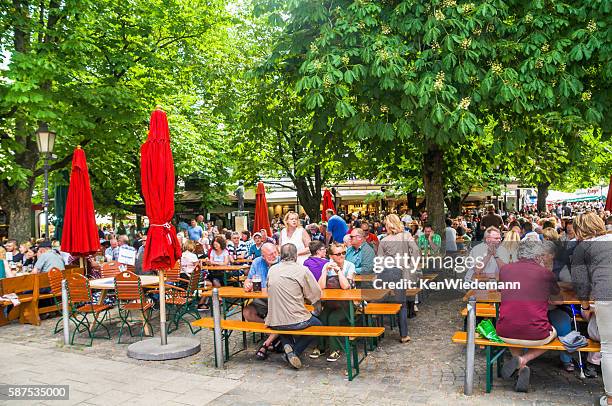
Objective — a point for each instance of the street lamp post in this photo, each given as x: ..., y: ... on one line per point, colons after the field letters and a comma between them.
x: 46, y: 141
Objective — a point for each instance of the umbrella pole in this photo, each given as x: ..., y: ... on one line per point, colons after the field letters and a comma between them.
x: 162, y: 307
x: 82, y: 265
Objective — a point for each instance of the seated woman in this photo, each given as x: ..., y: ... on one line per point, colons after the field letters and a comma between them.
x: 5, y: 269
x: 336, y: 274
x: 189, y: 262
x: 317, y: 259
x: 524, y: 318
x: 217, y: 255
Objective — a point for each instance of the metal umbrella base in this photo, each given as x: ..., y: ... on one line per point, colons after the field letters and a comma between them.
x: 152, y: 350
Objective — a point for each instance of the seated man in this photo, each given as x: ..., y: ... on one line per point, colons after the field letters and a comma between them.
x: 47, y: 258
x: 258, y: 309
x: 289, y: 285
x: 524, y: 318
x: 360, y: 253
x: 488, y: 257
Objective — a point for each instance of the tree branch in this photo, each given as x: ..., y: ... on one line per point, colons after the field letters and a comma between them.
x: 61, y: 163
x: 281, y: 185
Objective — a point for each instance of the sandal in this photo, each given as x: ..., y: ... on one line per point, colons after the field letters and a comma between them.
x: 262, y: 352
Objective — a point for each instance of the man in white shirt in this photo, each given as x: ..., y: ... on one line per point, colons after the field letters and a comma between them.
x: 450, y: 234
x: 489, y: 256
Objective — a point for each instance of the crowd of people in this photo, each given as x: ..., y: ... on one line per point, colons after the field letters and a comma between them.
x: 298, y: 259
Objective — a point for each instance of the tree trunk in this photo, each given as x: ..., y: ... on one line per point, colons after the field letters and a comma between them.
x: 311, y: 202
x: 411, y: 200
x: 433, y: 181
x: 542, y: 195
x: 18, y: 207
x: 454, y: 205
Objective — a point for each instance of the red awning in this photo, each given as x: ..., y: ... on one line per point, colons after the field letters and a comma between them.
x: 80, y: 234
x: 162, y: 248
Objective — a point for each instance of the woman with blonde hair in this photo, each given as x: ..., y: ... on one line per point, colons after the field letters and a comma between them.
x: 400, y: 244
x: 592, y: 276
x: 5, y: 269
x: 511, y: 243
x: 293, y: 233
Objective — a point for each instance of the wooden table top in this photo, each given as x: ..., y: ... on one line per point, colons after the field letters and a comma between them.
x: 493, y: 296
x: 109, y: 283
x: 328, y: 294
x: 242, y: 261
x: 372, y: 276
x: 224, y: 268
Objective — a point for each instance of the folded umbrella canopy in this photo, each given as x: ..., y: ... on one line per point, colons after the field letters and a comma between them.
x: 157, y: 177
x: 609, y: 199
x: 328, y: 203
x: 80, y: 233
x: 262, y: 221
x: 162, y: 249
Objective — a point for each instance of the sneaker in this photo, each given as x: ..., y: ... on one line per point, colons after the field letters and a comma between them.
x: 590, y: 370
x: 334, y: 356
x: 316, y: 353
x: 291, y: 358
x: 568, y: 367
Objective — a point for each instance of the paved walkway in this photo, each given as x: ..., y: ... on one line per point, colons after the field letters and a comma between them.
x: 96, y: 381
x: 427, y: 371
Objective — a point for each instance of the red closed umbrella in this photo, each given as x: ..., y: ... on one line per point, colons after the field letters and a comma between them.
x: 609, y: 199
x: 80, y: 235
x: 262, y: 221
x: 328, y: 203
x: 162, y: 249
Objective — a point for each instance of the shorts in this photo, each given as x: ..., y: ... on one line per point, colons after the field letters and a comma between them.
x: 532, y: 343
x: 261, y: 307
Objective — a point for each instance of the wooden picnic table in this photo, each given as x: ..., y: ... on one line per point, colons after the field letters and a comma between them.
x: 106, y: 284
x: 372, y: 276
x: 493, y: 296
x: 225, y: 269
x: 242, y: 261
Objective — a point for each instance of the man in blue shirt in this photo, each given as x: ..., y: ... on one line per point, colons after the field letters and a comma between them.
x: 194, y: 231
x: 336, y: 226
x: 258, y: 309
x: 360, y: 253
x: 255, y: 250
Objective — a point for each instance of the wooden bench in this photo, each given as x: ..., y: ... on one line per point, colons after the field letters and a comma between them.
x: 487, y: 310
x: 349, y: 334
x: 494, y: 351
x: 26, y: 288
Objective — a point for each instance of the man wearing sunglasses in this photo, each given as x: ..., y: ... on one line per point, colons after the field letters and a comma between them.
x: 360, y: 253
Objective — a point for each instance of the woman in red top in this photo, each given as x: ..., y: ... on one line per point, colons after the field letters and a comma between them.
x: 523, y: 312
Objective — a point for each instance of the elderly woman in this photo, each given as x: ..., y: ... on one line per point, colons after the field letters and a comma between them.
x: 592, y: 275
x: 400, y: 242
x: 524, y: 318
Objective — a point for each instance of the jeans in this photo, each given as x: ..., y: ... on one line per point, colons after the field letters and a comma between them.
x: 603, y: 310
x: 562, y: 322
x: 299, y: 343
x: 403, y: 320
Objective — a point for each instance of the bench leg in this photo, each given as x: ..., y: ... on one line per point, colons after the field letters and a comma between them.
x: 355, y: 350
x: 489, y: 370
x: 349, y: 357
